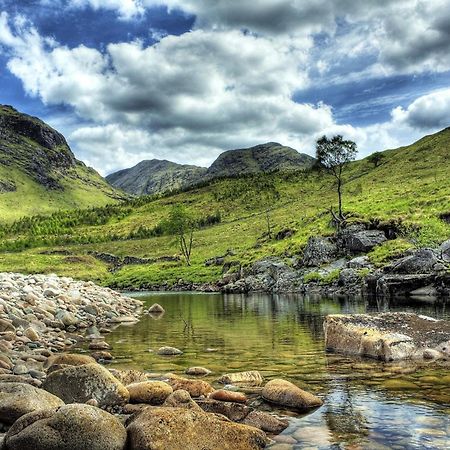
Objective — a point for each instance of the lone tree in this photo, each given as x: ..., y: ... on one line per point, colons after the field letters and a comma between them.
x: 376, y: 158
x: 181, y: 224
x: 334, y: 155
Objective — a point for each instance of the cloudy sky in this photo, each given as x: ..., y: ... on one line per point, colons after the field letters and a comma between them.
x: 184, y: 80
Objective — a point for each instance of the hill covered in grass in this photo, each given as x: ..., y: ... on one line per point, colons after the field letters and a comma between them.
x: 407, y: 191
x: 40, y: 174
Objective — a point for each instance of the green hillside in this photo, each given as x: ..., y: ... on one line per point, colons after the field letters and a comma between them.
x: 408, y: 190
x: 39, y: 173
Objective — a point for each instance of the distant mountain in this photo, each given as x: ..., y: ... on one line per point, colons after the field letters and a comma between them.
x: 155, y: 176
x: 39, y: 173
x: 264, y: 158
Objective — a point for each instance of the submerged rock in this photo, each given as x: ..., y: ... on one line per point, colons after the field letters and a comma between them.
x: 79, y: 384
x: 169, y: 351
x: 233, y: 411
x: 71, y: 427
x: 17, y: 399
x: 199, y: 371
x: 156, y: 309
x: 387, y: 336
x: 285, y: 393
x: 250, y: 378
x: 265, y: 422
x: 187, y: 429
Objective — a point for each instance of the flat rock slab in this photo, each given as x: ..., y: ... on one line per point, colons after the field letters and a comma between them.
x: 388, y: 336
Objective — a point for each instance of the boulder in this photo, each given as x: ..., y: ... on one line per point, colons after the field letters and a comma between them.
x: 68, y: 359
x: 228, y: 396
x: 386, y: 336
x: 422, y: 261
x: 319, y: 250
x: 17, y: 399
x: 71, y: 427
x: 196, y: 388
x: 250, y: 378
x: 151, y: 392
x: 287, y: 394
x: 78, y: 384
x: 187, y: 429
x: 361, y: 241
x: 360, y: 262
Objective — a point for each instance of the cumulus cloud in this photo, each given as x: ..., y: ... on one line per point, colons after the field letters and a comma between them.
x: 431, y: 111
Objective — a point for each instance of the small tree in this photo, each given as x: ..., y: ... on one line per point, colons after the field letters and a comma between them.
x: 334, y: 155
x: 376, y: 158
x: 181, y: 224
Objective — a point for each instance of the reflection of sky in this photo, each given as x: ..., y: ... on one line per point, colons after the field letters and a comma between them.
x: 372, y: 421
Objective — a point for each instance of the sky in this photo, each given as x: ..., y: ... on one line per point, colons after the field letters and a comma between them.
x: 184, y: 80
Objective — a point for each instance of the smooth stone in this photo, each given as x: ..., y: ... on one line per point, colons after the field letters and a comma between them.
x: 99, y: 345
x: 17, y: 399
x: 180, y: 399
x: 156, y: 309
x: 68, y: 359
x: 285, y: 393
x: 265, y: 422
x: 228, y: 396
x: 188, y: 429
x: 71, y: 427
x: 200, y: 371
x: 78, y: 384
x: 151, y: 392
x: 196, y: 388
x: 169, y: 351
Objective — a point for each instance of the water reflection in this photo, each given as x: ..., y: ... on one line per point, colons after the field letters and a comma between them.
x: 368, y: 404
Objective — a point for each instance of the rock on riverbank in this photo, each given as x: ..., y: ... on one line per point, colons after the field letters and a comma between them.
x: 388, y: 336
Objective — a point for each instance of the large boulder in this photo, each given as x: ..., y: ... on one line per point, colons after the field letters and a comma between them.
x: 387, y: 336
x: 188, y: 429
x: 361, y: 241
x: 71, y: 427
x: 151, y: 392
x: 17, y: 399
x: 78, y: 384
x: 422, y: 261
x: 319, y: 250
x: 287, y: 394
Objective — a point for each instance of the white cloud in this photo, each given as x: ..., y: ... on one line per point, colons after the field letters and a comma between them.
x: 431, y: 111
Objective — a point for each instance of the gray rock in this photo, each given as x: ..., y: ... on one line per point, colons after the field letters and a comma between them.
x: 78, y: 384
x: 361, y: 241
x: 422, y: 261
x: 319, y: 250
x: 445, y: 250
x: 17, y: 399
x: 360, y: 262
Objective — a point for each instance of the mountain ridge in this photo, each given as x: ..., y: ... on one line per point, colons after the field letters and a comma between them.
x: 159, y: 176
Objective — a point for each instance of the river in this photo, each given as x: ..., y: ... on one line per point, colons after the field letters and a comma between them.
x: 367, y: 404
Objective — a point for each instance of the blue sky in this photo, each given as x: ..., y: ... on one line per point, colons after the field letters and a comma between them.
x: 127, y: 80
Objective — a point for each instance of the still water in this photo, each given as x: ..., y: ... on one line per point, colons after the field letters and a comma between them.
x: 367, y: 404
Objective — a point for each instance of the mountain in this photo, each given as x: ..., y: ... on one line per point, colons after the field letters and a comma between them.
x: 39, y: 173
x: 154, y: 176
x: 266, y: 158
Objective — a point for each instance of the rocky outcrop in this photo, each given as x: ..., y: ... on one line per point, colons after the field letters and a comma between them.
x: 421, y: 261
x: 387, y: 336
x: 71, y: 427
x: 360, y: 241
x: 188, y: 429
x: 319, y: 250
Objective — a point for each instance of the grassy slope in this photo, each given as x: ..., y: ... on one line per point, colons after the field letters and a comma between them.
x: 410, y: 185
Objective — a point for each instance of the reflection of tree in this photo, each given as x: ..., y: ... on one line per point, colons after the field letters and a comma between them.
x: 345, y: 422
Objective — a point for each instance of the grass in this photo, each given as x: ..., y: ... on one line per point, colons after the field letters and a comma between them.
x: 409, y: 190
